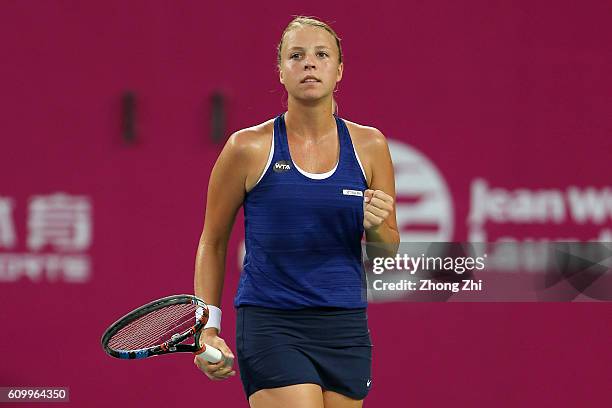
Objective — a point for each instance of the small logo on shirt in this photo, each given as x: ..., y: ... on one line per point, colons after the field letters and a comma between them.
x: 281, y: 166
x: 368, y: 383
x: 355, y: 193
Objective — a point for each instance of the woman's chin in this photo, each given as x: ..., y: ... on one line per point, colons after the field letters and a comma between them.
x: 311, y: 97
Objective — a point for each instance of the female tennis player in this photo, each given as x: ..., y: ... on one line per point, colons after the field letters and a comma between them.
x: 311, y: 184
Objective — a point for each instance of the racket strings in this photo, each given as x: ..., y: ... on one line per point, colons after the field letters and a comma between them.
x: 150, y: 329
x: 134, y: 332
x: 180, y: 327
x: 163, y: 321
x: 154, y: 327
x: 160, y: 328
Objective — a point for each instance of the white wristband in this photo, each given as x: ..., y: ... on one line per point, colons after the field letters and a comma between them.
x: 214, y: 317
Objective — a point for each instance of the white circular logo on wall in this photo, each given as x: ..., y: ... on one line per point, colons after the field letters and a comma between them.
x: 423, y: 204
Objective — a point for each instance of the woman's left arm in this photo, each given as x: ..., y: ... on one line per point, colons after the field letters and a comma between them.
x: 379, y: 219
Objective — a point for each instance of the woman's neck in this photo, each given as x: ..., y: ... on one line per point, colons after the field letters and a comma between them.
x: 309, y: 122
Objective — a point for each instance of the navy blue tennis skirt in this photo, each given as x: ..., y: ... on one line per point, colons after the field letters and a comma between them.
x: 328, y: 347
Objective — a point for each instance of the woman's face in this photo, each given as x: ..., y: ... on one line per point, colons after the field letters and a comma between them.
x: 309, y: 66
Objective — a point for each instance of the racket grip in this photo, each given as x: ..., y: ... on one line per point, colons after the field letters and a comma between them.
x: 213, y: 355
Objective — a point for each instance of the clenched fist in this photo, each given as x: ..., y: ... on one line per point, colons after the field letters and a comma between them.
x: 377, y: 206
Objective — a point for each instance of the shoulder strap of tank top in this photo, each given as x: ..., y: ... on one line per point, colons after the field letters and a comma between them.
x: 283, y: 146
x: 347, y: 153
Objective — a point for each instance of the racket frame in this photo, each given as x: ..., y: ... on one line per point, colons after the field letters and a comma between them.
x: 172, y: 345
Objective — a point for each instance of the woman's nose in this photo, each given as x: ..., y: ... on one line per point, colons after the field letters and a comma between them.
x: 309, y: 62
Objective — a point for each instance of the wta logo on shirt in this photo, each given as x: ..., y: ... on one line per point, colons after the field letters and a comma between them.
x: 281, y: 166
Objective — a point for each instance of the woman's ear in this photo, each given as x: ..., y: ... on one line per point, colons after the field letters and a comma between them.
x: 340, y: 71
x: 280, y: 75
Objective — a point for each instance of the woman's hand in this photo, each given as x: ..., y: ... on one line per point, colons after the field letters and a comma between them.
x: 214, y: 371
x: 377, y: 206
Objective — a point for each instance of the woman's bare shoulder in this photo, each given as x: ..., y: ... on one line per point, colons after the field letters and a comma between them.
x: 248, y: 150
x: 366, y: 137
x: 252, y: 140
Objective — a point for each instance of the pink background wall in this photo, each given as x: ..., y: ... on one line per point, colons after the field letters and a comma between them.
x: 514, y: 93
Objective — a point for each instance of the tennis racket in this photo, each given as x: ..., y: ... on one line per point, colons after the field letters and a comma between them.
x: 164, y: 326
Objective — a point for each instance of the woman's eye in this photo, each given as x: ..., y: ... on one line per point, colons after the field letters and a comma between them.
x: 294, y: 56
x: 322, y: 54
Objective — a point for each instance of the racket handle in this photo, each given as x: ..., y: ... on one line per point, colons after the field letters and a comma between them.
x: 213, y: 355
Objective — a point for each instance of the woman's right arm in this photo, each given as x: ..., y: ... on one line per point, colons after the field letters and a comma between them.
x: 226, y: 191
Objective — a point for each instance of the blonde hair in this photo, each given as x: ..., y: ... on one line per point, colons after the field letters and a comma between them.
x: 301, y: 21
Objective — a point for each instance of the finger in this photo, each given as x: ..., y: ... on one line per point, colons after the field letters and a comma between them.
x: 383, y: 205
x: 207, y: 366
x: 198, y: 362
x: 369, y: 195
x: 371, y: 219
x: 202, y: 367
x: 382, y: 195
x: 224, y: 375
x: 377, y: 211
x: 224, y: 372
x: 214, y: 367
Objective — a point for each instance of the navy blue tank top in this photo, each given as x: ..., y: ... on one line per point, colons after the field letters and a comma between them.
x: 303, y: 235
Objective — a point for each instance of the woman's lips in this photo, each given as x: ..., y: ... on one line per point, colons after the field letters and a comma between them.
x: 308, y: 79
